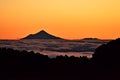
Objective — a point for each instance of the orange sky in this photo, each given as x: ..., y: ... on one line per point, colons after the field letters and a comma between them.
x: 70, y: 19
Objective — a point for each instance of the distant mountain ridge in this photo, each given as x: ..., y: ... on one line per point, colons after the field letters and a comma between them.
x: 41, y: 35
x: 90, y: 39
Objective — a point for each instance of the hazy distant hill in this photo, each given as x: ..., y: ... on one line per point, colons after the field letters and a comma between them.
x: 41, y: 35
x: 90, y: 39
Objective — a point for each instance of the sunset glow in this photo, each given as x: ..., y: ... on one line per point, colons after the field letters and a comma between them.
x: 70, y: 19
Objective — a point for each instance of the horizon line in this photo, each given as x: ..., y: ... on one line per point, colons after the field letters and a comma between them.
x: 64, y: 38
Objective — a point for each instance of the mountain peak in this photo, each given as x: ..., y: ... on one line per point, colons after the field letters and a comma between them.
x: 42, y: 31
x: 41, y: 35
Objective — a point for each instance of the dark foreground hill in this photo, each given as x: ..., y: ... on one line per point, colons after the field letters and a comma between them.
x: 41, y: 35
x: 23, y: 65
x: 108, y: 53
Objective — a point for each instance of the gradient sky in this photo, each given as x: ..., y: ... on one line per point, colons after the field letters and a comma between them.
x: 70, y: 19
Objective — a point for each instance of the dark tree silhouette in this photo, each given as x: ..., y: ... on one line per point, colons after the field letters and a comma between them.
x: 27, y: 64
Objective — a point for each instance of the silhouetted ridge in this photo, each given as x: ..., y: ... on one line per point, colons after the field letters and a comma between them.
x: 108, y: 53
x: 41, y: 35
x: 90, y: 39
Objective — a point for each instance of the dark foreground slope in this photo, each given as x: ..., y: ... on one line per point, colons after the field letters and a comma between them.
x: 108, y: 53
x: 23, y: 65
x: 28, y: 65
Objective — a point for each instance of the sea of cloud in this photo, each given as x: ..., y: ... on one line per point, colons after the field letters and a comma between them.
x: 54, y: 48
